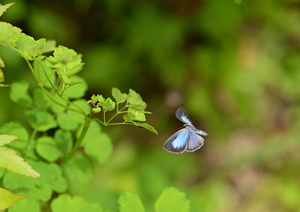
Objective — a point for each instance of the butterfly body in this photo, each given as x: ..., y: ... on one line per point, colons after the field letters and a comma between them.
x: 187, y: 139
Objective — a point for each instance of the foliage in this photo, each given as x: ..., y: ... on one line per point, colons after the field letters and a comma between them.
x: 236, y: 74
x: 55, y: 75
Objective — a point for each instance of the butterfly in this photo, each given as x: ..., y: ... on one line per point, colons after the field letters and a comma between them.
x: 187, y: 139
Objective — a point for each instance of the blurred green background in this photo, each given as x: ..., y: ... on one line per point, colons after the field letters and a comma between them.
x: 237, y: 75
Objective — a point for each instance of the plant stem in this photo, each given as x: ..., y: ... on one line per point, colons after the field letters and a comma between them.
x: 86, y: 126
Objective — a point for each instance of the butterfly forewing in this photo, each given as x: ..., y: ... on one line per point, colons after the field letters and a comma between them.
x: 177, y: 142
x: 182, y: 116
x: 195, y: 142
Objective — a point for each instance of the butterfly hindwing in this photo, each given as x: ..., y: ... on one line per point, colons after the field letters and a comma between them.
x: 195, y: 142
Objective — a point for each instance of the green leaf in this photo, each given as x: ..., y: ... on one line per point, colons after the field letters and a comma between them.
x: 99, y: 148
x: 135, y: 102
x: 64, y: 140
x: 65, y: 203
x: 136, y: 116
x: 76, y: 91
x: 15, y: 128
x: 8, y: 198
x: 239, y: 4
x: 101, y: 99
x: 130, y: 202
x: 69, y: 121
x: 57, y: 108
x: 172, y: 200
x: 5, y: 139
x: 79, y: 171
x: 62, y: 57
x: 109, y: 105
x: 15, y: 181
x: 28, y: 204
x: 18, y: 93
x: 47, y: 148
x: 60, y: 185
x: 49, y: 172
x: 40, y: 120
x: 40, y: 99
x: 127, y: 118
x: 13, y: 162
x: 42, y: 193
x: 9, y: 34
x: 119, y: 97
x: 42, y: 71
x: 3, y: 8
x: 146, y: 126
x: 93, y: 131
x: 28, y: 48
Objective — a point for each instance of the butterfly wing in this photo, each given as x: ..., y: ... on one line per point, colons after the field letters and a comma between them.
x: 182, y: 116
x: 194, y: 142
x: 177, y: 142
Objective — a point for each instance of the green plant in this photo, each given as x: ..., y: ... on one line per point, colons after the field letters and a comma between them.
x: 57, y: 115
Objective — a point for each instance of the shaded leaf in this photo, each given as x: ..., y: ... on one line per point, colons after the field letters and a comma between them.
x: 18, y: 93
x: 239, y: 4
x: 40, y: 120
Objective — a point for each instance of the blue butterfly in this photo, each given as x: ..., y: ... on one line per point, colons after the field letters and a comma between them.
x: 187, y: 139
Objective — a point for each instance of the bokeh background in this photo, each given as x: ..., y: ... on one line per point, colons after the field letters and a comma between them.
x: 237, y: 75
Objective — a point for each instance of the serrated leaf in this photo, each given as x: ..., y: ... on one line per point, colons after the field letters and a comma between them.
x: 8, y: 198
x: 40, y: 120
x: 147, y: 126
x: 239, y: 4
x: 99, y: 148
x: 65, y: 203
x: 135, y: 102
x: 5, y: 139
x: 130, y: 202
x: 13, y: 162
x: 28, y: 48
x: 18, y: 93
x: 109, y: 105
x: 64, y: 56
x: 15, y: 128
x: 47, y: 148
x: 172, y: 200
x: 9, y: 34
x: 28, y: 204
x: 119, y: 97
x: 3, y: 8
